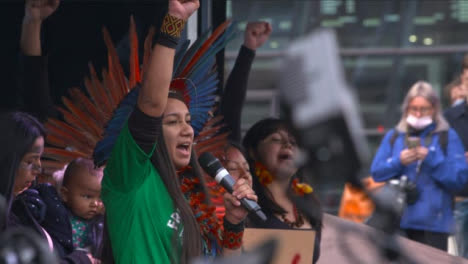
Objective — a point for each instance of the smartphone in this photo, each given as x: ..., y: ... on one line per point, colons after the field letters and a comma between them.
x: 413, y: 142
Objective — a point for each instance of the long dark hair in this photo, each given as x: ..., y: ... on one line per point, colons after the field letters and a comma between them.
x: 19, y: 131
x: 192, y: 246
x: 258, y: 132
x: 192, y: 240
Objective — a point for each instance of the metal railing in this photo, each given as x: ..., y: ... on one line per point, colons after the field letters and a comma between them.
x: 420, y: 50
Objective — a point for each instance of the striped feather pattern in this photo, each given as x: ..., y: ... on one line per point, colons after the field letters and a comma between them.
x: 94, y: 120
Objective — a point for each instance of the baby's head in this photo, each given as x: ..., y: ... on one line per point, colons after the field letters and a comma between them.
x: 81, y: 188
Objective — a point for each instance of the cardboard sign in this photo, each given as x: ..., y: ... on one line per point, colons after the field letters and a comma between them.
x: 294, y: 245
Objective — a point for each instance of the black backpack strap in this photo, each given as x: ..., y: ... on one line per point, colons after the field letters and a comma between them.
x: 443, y: 141
x: 394, y: 137
x: 428, y: 140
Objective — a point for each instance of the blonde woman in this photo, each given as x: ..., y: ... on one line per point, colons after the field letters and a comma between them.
x: 425, y: 149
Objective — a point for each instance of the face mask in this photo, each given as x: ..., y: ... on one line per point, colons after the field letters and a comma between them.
x: 458, y: 101
x: 418, y: 123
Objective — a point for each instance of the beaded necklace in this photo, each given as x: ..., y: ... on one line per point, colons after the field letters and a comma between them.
x: 300, y: 189
x: 299, y: 219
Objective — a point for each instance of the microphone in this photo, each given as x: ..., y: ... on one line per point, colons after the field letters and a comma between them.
x: 213, y: 167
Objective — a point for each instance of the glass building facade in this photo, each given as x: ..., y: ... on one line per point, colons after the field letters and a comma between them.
x: 385, y: 47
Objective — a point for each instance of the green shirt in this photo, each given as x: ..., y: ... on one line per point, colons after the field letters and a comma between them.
x: 140, y: 213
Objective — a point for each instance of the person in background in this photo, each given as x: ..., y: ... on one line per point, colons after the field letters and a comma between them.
x: 235, y: 162
x: 234, y: 93
x: 232, y: 101
x: 430, y: 154
x: 22, y: 144
x: 457, y: 116
x: 233, y: 159
x: 271, y: 149
x: 73, y: 218
x: 33, y: 79
x: 455, y: 92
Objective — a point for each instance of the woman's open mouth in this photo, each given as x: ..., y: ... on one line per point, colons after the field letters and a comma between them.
x: 184, y: 148
x: 284, y: 156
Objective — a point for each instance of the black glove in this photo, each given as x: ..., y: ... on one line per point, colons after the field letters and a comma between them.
x: 34, y: 204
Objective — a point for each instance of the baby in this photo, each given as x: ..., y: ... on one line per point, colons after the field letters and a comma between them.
x: 81, y: 193
x: 74, y: 219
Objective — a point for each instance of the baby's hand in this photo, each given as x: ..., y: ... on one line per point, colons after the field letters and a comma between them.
x: 101, y: 208
x: 93, y: 260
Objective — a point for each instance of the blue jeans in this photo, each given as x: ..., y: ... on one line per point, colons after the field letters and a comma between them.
x: 461, y: 227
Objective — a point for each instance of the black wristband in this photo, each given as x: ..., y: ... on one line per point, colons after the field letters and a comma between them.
x: 228, y: 226
x: 167, y: 41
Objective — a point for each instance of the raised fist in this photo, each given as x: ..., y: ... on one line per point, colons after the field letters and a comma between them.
x: 256, y: 34
x: 183, y: 9
x: 38, y: 10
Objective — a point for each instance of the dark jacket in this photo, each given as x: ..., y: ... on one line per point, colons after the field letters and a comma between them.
x: 33, y: 87
x: 23, y: 215
x: 457, y: 117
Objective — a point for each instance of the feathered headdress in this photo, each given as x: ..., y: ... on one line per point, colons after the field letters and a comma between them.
x: 93, y: 122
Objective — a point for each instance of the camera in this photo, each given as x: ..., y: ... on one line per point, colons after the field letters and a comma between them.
x: 391, y: 201
x: 408, y: 188
x: 412, y: 193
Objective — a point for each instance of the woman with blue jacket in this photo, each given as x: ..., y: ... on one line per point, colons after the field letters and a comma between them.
x: 430, y: 154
